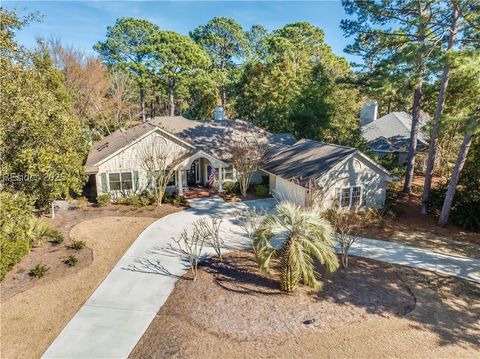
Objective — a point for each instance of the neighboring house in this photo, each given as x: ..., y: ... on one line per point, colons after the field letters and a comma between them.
x: 390, y: 134
x: 115, y: 165
x: 344, y: 176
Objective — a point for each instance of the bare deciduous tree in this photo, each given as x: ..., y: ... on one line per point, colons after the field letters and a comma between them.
x: 192, y: 246
x: 210, y: 229
x: 250, y: 220
x: 160, y: 160
x: 347, y: 225
x: 248, y: 153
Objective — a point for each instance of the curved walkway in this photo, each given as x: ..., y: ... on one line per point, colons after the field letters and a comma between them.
x: 117, y: 314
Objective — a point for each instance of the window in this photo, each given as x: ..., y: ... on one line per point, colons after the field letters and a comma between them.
x: 120, y: 181
x: 356, y: 196
x: 345, y: 197
x: 228, y: 173
x: 350, y: 196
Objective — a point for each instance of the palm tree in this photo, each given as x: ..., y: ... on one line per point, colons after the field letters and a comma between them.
x: 298, y: 236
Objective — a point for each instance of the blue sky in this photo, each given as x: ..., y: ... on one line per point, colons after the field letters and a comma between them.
x: 83, y: 23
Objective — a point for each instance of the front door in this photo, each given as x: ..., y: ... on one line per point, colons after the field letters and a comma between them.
x: 192, y: 175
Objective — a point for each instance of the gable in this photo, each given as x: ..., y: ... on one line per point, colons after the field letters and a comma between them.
x: 130, y: 156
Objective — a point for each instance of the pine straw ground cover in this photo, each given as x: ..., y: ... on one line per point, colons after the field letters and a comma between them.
x: 374, y: 310
x: 36, y: 310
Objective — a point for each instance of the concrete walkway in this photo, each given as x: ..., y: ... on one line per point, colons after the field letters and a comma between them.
x: 449, y: 264
x: 117, y: 314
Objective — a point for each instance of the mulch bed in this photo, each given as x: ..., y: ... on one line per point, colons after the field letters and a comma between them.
x: 18, y: 279
x: 235, y: 300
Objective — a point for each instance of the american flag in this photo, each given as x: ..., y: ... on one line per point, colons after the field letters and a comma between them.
x: 211, y: 176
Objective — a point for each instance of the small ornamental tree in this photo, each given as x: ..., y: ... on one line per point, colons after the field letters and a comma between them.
x: 160, y: 161
x: 192, y: 245
x: 298, y: 237
x: 347, y: 225
x: 248, y: 153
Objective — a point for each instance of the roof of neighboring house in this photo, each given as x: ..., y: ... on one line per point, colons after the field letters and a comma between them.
x: 307, y: 159
x: 391, y: 133
x: 214, y: 137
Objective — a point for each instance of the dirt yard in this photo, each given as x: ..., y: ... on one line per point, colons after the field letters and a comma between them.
x: 34, y: 311
x: 374, y: 310
x: 412, y: 228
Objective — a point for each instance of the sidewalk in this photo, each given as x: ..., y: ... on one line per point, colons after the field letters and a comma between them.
x: 117, y: 314
x: 449, y: 264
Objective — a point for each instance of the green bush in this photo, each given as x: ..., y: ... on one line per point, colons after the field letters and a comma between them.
x: 39, y: 271
x: 19, y: 230
x: 466, y: 214
x: 141, y: 200
x: 77, y: 245
x: 231, y: 187
x: 104, y: 200
x: 71, y: 261
x: 261, y: 190
x: 179, y: 201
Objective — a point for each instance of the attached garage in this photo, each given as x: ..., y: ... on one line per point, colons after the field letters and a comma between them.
x: 344, y: 176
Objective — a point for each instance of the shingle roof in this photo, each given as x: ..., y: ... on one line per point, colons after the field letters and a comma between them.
x: 214, y: 137
x: 307, y: 159
x: 392, y: 132
x: 114, y: 142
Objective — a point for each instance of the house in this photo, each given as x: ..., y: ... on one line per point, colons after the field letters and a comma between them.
x: 390, y: 134
x: 116, y: 166
x: 344, y: 176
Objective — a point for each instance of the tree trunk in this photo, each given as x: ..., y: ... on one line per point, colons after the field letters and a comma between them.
x: 142, y: 102
x: 171, y: 101
x: 223, y: 89
x: 432, y: 150
x: 417, y: 99
x: 452, y: 185
x: 412, y: 149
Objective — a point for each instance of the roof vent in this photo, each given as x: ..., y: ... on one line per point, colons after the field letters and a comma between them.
x: 105, y: 145
x: 219, y: 114
x: 369, y: 112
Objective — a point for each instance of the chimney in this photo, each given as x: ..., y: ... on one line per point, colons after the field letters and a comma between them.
x: 369, y: 112
x: 219, y: 114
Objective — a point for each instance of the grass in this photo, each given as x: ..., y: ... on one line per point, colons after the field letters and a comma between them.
x: 39, y: 271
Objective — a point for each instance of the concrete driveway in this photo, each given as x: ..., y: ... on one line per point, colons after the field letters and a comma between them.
x: 117, y: 314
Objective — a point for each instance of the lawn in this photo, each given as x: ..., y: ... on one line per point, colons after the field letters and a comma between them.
x: 373, y: 310
x: 34, y: 311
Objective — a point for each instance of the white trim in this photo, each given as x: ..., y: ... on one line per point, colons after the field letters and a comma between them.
x: 199, y: 154
x: 350, y: 196
x: 155, y: 129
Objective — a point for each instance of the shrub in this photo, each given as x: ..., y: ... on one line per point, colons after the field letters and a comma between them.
x: 147, y: 197
x: 141, y: 200
x: 71, y: 261
x: 261, y: 190
x: 179, y: 201
x: 103, y: 200
x: 77, y: 245
x: 39, y: 271
x: 231, y: 187
x: 19, y: 230
x: 79, y: 201
x: 168, y: 198
x: 466, y: 213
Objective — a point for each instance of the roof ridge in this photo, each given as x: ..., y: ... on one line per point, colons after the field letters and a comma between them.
x: 326, y: 144
x: 401, y: 121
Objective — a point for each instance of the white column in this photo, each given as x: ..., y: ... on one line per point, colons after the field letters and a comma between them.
x: 179, y: 183
x: 220, y: 179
